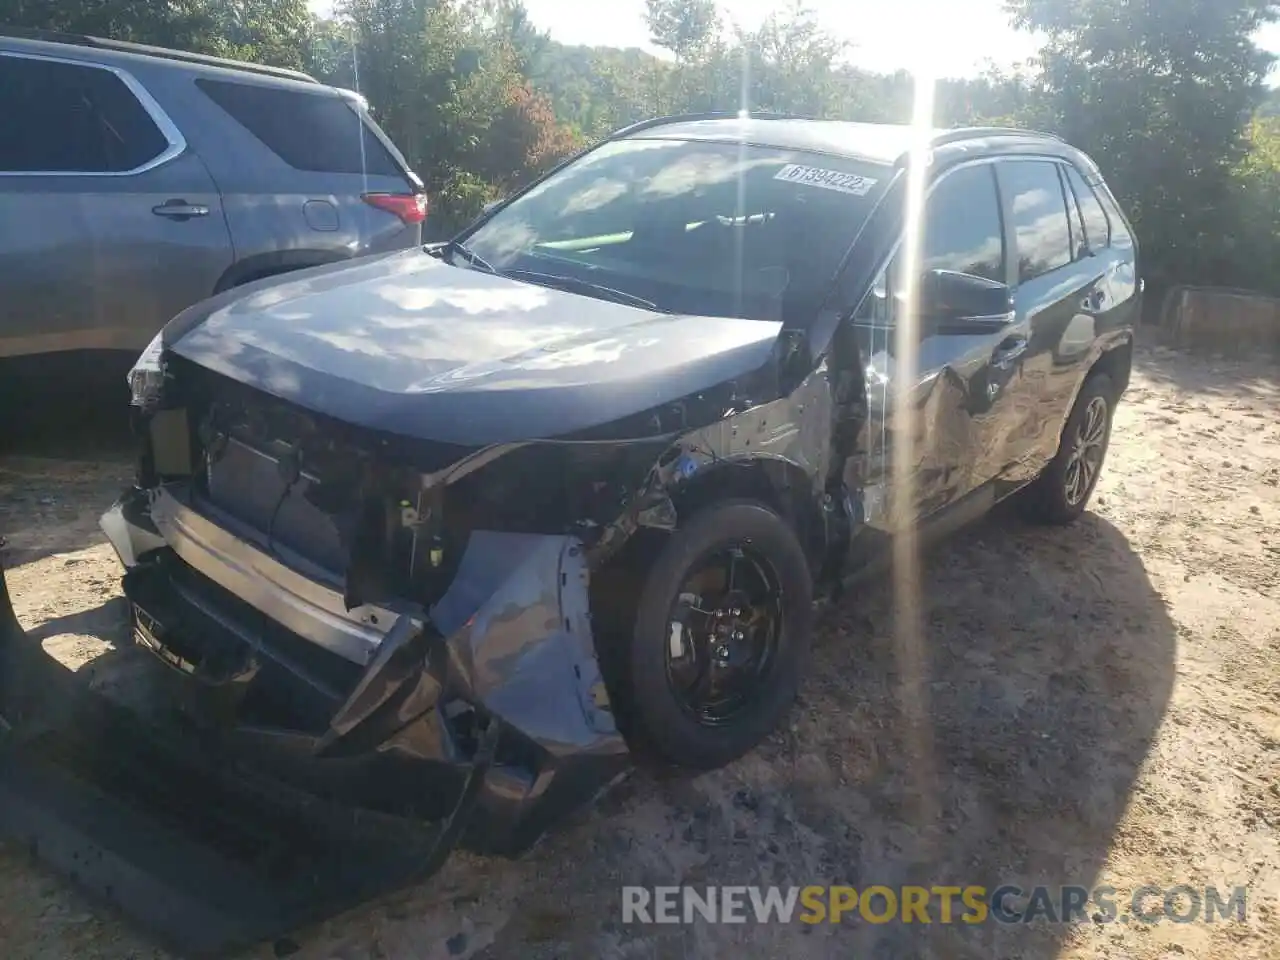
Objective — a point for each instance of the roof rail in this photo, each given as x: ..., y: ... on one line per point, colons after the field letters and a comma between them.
x: 690, y: 117
x: 973, y: 133
x: 143, y: 49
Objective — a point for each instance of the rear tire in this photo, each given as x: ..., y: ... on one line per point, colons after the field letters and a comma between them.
x: 765, y: 570
x: 1062, y: 491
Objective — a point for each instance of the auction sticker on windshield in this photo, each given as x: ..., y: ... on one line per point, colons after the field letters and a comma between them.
x: 827, y: 179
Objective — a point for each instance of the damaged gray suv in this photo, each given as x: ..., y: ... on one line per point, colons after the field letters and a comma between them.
x: 442, y: 536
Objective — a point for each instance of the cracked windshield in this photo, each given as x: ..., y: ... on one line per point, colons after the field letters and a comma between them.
x: 569, y: 480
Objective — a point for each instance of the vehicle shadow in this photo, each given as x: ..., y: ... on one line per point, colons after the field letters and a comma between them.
x: 109, y: 622
x: 66, y: 407
x: 62, y: 463
x: 97, y: 655
x: 1048, y: 666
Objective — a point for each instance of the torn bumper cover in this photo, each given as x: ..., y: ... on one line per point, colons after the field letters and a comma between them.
x: 268, y: 780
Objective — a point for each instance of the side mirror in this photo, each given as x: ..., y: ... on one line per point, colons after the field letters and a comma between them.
x: 951, y: 300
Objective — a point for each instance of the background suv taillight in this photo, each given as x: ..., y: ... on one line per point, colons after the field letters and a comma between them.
x: 409, y: 207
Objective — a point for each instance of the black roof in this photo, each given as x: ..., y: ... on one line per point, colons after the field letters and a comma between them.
x: 885, y: 143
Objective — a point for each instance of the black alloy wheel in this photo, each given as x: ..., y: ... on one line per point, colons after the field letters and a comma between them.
x: 721, y: 635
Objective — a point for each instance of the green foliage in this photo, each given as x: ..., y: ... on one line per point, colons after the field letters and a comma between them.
x: 1255, y: 209
x: 445, y: 79
x: 1263, y: 158
x: 597, y: 90
x: 1167, y: 95
x: 1159, y: 94
x: 788, y: 65
x: 685, y: 27
x: 266, y: 31
x: 995, y: 98
x: 328, y: 55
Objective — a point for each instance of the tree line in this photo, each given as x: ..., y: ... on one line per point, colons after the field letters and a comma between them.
x: 1169, y: 96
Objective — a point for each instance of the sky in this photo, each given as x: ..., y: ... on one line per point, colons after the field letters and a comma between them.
x: 953, y: 37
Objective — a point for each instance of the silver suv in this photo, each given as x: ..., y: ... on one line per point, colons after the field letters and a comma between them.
x: 135, y: 181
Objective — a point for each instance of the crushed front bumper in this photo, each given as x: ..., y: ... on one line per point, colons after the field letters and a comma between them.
x: 269, y: 781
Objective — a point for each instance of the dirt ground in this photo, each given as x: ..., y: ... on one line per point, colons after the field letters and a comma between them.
x: 1105, y: 705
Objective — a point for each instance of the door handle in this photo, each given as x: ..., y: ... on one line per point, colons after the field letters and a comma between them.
x: 1010, y: 349
x: 180, y: 210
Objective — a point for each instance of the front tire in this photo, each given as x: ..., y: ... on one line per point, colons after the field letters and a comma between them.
x: 721, y: 636
x: 1061, y: 493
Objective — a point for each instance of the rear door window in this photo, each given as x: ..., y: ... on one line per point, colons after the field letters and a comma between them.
x: 62, y: 117
x: 1033, y: 199
x: 319, y: 132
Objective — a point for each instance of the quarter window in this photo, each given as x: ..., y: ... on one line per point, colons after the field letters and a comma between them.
x: 1034, y: 201
x: 1079, y: 245
x: 1097, y: 230
x: 317, y: 131
x: 1120, y: 235
x: 70, y: 118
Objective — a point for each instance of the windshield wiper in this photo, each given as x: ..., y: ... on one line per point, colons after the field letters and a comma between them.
x: 574, y: 285
x: 560, y: 282
x: 469, y: 255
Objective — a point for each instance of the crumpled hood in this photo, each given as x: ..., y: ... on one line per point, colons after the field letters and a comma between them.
x: 408, y: 344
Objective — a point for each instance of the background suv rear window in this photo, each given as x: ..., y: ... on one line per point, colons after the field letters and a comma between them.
x: 66, y: 118
x: 318, y: 131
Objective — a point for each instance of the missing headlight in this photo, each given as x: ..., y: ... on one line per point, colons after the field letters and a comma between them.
x: 146, y: 376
